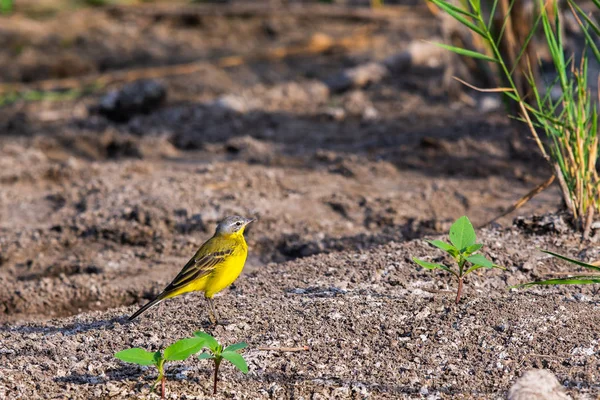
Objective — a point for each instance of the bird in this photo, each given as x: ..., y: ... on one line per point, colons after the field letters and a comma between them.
x: 215, y: 266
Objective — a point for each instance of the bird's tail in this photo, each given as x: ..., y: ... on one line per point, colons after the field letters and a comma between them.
x: 154, y: 302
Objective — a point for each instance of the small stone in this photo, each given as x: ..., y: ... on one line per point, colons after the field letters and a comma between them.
x: 334, y: 113
x: 135, y: 98
x: 528, y: 265
x: 232, y: 102
x: 537, y: 384
x: 490, y: 103
x: 370, y: 113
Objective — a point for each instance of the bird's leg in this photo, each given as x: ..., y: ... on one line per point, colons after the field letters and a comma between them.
x: 212, y: 312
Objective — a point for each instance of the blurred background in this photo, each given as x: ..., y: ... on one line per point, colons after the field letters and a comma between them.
x: 128, y: 129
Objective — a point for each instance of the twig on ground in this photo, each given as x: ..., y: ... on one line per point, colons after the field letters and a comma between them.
x: 284, y: 349
x: 523, y: 200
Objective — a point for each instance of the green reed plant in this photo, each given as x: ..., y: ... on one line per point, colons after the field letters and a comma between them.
x: 569, y: 122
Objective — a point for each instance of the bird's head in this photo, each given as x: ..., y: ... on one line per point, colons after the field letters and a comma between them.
x: 233, y: 225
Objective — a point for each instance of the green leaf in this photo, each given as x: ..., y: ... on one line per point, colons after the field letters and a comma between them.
x: 462, y: 234
x: 449, y: 6
x: 205, y: 356
x: 184, y: 348
x: 525, y: 44
x: 588, y: 38
x: 448, y: 248
x: 492, y: 14
x: 580, y: 263
x: 236, y: 360
x: 210, y: 341
x: 478, y: 259
x: 460, y: 15
x: 473, y: 268
x: 236, y: 347
x: 472, y: 249
x: 476, y: 4
x: 570, y: 280
x: 467, y: 53
x: 429, y: 265
x: 136, y: 356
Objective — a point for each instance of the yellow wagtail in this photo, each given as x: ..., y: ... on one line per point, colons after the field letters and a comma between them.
x: 215, y: 266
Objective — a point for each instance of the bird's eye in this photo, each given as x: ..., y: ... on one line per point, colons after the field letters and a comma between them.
x: 238, y: 223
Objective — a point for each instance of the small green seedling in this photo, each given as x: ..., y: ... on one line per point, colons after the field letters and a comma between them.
x: 217, y: 353
x: 178, y: 351
x: 569, y: 280
x: 463, y: 249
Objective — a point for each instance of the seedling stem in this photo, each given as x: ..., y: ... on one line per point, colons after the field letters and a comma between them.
x: 217, y: 353
x: 217, y: 363
x: 178, y: 351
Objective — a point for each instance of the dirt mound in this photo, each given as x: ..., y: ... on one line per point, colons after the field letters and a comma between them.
x: 375, y: 325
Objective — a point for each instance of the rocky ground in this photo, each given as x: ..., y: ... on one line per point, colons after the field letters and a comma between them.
x: 98, y: 213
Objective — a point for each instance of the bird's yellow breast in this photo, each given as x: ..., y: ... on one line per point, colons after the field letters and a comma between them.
x: 225, y: 273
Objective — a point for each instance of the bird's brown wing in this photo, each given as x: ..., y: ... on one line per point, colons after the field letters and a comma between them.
x: 203, y: 263
x: 200, y: 265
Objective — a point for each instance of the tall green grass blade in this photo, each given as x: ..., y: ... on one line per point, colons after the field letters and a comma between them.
x: 460, y: 15
x: 504, y: 23
x: 449, y: 7
x: 585, y: 16
x: 492, y: 13
x: 476, y: 5
x: 570, y: 280
x: 573, y: 261
x: 467, y: 53
x: 555, y: 45
x: 588, y: 38
x: 526, y: 43
x: 513, y: 96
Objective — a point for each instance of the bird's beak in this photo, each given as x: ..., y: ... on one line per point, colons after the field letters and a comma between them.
x: 249, y: 220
